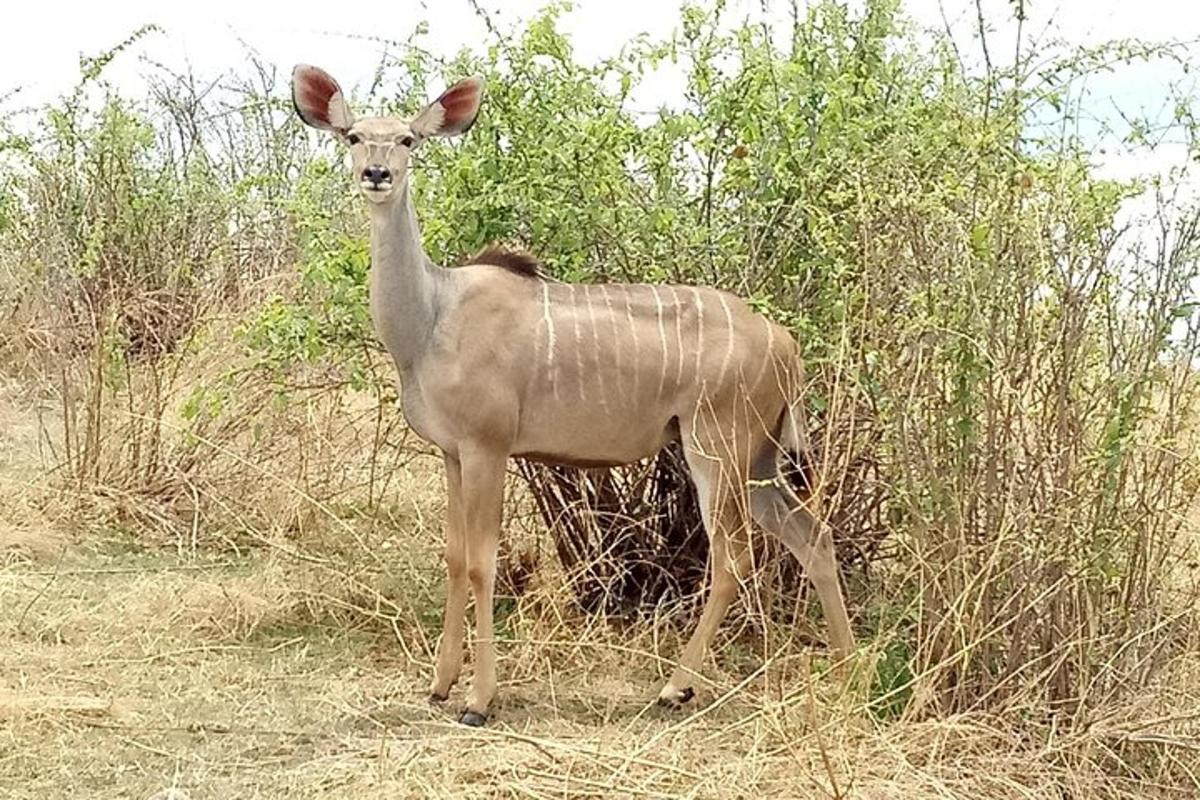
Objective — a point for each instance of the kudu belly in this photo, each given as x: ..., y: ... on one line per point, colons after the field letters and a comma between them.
x: 585, y: 437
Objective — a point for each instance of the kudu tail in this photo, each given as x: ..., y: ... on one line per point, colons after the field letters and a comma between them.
x: 796, y: 464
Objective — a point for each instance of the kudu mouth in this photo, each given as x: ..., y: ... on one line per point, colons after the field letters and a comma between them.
x: 376, y: 180
x: 376, y: 193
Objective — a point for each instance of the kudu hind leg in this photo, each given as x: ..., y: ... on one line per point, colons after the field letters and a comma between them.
x: 782, y: 515
x: 726, y: 519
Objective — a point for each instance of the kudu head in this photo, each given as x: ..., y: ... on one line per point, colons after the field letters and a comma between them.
x: 380, y: 146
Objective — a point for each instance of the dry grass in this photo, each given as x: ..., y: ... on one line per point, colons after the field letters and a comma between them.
x: 27, y: 531
x: 148, y: 673
x: 171, y: 673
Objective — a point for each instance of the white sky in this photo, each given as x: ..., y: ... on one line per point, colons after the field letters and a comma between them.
x: 40, y: 41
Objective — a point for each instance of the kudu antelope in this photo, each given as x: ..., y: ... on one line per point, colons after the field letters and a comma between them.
x: 495, y: 362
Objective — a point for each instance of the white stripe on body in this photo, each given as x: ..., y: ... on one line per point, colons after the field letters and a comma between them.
x: 699, y: 332
x: 662, y: 335
x: 616, y: 339
x: 728, y: 337
x: 679, y: 339
x: 768, y: 355
x: 637, y: 350
x: 578, y: 348
x: 549, y: 320
x: 587, y: 296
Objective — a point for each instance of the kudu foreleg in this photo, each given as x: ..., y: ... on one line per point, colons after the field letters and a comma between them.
x: 450, y: 651
x: 482, y: 501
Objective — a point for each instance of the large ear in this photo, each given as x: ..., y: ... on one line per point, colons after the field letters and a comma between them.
x: 319, y: 100
x: 452, y: 113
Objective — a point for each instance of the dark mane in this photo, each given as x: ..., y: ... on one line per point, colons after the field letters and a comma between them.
x: 517, y: 262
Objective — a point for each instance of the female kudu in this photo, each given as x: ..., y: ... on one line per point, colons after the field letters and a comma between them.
x: 495, y: 362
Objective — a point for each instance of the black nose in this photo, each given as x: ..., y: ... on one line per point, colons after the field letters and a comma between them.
x: 377, y: 174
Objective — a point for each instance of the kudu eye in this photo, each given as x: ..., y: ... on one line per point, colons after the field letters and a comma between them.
x: 407, y: 141
x: 354, y: 138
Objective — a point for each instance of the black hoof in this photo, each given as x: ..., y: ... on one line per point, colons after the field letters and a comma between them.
x: 436, y: 698
x: 473, y: 719
x: 684, y: 696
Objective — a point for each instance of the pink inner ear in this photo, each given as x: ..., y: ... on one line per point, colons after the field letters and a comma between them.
x: 460, y: 104
x: 316, y: 88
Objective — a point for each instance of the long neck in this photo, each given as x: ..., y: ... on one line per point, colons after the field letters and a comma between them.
x: 404, y: 283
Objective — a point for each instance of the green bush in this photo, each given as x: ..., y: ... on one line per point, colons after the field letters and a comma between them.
x: 1000, y: 379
